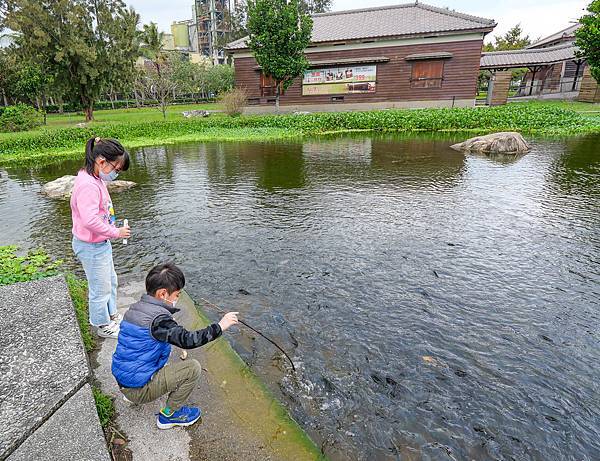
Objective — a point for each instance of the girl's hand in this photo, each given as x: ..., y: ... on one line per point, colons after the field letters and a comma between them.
x: 124, y: 232
x: 228, y: 320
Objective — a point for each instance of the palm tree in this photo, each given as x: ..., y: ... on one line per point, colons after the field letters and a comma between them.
x: 151, y: 44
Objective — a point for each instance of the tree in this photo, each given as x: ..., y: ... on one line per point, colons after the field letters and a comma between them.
x: 7, y: 78
x: 75, y: 42
x: 238, y: 17
x: 152, y: 44
x: 185, y: 75
x: 278, y: 35
x: 31, y: 83
x: 220, y: 78
x: 22, y: 79
x: 121, y: 53
x: 315, y: 6
x: 588, y: 38
x: 4, y: 7
x: 511, y: 40
x: 159, y: 82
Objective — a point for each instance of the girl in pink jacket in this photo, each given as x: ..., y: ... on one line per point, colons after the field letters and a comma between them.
x: 93, y: 228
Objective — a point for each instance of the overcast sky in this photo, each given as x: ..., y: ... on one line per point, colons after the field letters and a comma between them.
x: 538, y: 18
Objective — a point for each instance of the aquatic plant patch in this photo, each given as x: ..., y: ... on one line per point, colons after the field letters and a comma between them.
x: 543, y: 120
x: 35, y: 265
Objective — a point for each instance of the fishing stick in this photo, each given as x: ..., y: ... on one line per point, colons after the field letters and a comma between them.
x: 218, y: 309
x: 125, y: 224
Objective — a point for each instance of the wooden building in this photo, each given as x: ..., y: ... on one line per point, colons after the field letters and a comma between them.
x: 409, y: 55
x: 555, y: 70
x: 559, y: 77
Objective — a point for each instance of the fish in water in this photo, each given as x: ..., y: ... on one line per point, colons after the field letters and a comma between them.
x: 294, y: 340
x: 429, y: 360
x: 243, y: 292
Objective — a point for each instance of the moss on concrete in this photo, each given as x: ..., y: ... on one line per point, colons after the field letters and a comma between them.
x: 262, y: 414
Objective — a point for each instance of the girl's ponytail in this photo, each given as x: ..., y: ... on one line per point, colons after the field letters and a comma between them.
x: 90, y: 160
x: 109, y: 149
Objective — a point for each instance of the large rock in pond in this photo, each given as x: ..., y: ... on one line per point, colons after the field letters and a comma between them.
x: 508, y: 142
x: 62, y: 187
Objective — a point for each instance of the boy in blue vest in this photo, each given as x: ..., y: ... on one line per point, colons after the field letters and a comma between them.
x: 147, y: 331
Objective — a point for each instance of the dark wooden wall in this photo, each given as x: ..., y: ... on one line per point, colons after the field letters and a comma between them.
x: 393, y: 77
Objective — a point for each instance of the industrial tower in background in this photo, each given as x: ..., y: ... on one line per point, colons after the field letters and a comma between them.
x: 205, y: 35
x: 212, y: 27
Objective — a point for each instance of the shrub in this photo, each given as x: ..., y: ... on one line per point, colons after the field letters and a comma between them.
x: 234, y: 101
x: 20, y: 118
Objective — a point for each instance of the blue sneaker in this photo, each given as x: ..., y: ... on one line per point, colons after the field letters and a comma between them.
x: 185, y: 416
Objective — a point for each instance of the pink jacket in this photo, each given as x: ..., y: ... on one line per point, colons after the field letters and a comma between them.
x: 92, y: 210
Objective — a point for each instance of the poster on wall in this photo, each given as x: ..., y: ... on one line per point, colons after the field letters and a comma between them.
x: 339, y: 80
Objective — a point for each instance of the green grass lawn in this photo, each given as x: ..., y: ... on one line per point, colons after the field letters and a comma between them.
x: 146, y: 114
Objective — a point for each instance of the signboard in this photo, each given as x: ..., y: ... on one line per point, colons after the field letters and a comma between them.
x: 339, y: 80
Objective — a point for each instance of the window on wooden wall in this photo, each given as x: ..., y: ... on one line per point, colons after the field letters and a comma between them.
x: 427, y: 74
x: 267, y: 85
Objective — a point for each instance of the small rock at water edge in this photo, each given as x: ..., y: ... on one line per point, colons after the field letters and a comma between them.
x: 62, y: 187
x: 508, y: 142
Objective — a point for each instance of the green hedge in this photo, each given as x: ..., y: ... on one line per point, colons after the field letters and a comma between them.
x: 527, y: 119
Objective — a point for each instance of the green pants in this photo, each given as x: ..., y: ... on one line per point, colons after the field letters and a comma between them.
x: 176, y: 379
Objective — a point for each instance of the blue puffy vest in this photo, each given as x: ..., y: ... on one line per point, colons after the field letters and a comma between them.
x: 138, y: 355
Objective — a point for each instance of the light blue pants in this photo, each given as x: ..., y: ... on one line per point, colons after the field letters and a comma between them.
x: 97, y: 261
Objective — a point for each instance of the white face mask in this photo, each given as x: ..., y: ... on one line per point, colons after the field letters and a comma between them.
x: 172, y: 303
x: 108, y: 177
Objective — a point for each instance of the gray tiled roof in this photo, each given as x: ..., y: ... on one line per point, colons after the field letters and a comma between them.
x: 528, y: 57
x: 388, y: 21
x: 565, y: 33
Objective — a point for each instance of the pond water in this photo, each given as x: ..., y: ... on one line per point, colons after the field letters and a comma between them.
x: 437, y: 305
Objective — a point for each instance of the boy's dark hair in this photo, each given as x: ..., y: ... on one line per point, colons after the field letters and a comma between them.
x: 110, y: 149
x: 166, y: 275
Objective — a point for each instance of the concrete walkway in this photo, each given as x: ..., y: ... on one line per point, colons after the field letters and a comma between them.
x: 241, y: 420
x: 47, y: 411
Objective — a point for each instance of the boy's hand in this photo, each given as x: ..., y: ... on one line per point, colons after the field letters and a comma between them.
x: 228, y: 320
x: 124, y: 232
